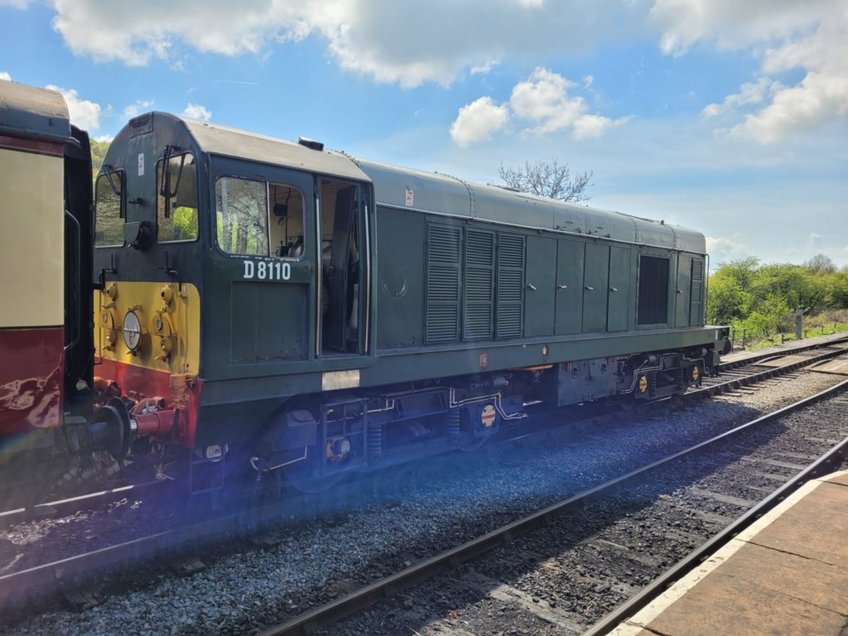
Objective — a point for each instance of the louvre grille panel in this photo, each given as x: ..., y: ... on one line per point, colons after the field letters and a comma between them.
x: 511, y: 251
x: 443, y: 248
x: 509, y: 319
x: 510, y: 322
x: 442, y: 327
x: 510, y: 287
x: 442, y: 285
x: 696, y: 297
x: 479, y: 283
x: 443, y: 244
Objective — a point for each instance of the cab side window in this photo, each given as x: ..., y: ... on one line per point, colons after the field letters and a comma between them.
x: 109, y: 209
x: 176, y: 206
x: 256, y: 218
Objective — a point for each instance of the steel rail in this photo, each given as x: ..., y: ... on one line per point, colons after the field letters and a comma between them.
x: 16, y: 588
x: 108, y: 495
x: 823, y: 465
x: 47, y: 577
x: 759, y: 357
x: 760, y: 376
x: 69, y: 505
x: 360, y: 599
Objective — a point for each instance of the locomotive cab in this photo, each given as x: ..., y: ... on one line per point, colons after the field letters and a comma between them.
x: 230, y: 265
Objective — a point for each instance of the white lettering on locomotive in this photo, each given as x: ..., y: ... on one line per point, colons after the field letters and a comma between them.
x: 265, y: 270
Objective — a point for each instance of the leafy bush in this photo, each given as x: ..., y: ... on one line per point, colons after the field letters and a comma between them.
x: 761, y: 299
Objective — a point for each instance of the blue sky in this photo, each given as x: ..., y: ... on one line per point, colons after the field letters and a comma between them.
x: 728, y: 117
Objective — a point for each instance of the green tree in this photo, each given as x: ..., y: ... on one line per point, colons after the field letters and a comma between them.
x: 98, y: 152
x: 726, y: 300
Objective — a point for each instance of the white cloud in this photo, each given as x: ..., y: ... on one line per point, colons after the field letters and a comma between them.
x: 136, y: 108
x: 811, y: 36
x: 483, y: 69
x: 477, y: 121
x: 723, y: 249
x: 750, y: 94
x: 817, y: 99
x: 407, y: 43
x: 732, y: 24
x: 197, y: 111
x: 5, y: 76
x: 15, y: 4
x: 543, y: 98
x: 84, y: 113
x: 542, y: 102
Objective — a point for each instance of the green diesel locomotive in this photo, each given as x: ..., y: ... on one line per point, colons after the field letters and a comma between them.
x: 278, y: 305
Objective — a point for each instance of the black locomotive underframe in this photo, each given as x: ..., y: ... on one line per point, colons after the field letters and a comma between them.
x: 328, y: 433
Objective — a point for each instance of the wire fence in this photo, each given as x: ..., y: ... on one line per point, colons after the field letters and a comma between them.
x: 753, y: 338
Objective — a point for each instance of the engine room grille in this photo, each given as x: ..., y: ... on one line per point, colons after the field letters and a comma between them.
x: 443, y: 288
x: 479, y: 285
x: 696, y: 299
x: 509, y: 319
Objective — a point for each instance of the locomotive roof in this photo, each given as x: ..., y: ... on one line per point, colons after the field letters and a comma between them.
x: 231, y: 142
x: 33, y: 112
x: 439, y: 193
x: 450, y: 195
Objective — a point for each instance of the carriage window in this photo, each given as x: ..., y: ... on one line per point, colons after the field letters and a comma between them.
x: 255, y: 218
x: 176, y: 207
x: 653, y: 290
x: 109, y: 209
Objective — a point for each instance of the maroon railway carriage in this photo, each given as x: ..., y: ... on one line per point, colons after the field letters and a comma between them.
x: 45, y: 270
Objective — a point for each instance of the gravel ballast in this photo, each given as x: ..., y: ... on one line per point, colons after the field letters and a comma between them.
x: 415, y: 517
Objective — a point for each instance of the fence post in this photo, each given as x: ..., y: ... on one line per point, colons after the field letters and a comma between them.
x: 744, y: 340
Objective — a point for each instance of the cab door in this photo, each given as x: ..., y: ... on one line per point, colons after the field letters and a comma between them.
x: 344, y: 268
x: 260, y: 292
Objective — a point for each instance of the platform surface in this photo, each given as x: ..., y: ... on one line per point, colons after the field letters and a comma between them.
x: 786, y: 574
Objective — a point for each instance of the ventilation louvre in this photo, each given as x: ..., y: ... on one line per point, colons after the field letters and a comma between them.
x: 442, y: 313
x: 696, y: 298
x: 509, y: 319
x: 479, y: 285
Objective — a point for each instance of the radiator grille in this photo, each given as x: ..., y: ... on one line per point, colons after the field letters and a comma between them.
x: 442, y: 313
x: 509, y: 322
x: 479, y: 285
x: 696, y: 299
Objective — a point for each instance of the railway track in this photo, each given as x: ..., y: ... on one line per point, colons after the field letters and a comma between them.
x: 734, y: 375
x: 638, y: 485
x: 60, y: 572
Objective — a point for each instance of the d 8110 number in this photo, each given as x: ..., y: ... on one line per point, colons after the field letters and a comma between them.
x: 267, y: 270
